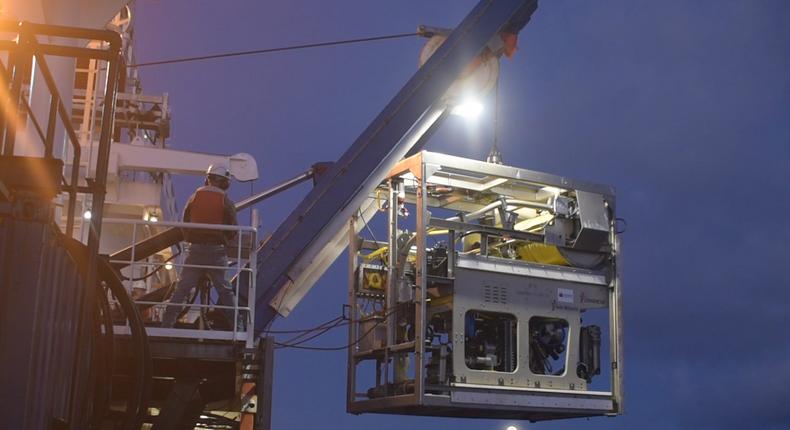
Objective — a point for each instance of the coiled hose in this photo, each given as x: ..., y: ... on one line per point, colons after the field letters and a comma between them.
x: 137, y: 404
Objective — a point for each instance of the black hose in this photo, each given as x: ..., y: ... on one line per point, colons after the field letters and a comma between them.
x: 155, y: 271
x: 137, y: 404
x: 106, y: 358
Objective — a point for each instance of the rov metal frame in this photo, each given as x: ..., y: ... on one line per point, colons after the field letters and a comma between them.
x: 459, y: 398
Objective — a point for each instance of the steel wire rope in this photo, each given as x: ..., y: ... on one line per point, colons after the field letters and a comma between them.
x: 272, y: 50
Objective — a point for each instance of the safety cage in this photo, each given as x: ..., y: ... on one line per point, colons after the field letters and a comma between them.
x: 495, y: 293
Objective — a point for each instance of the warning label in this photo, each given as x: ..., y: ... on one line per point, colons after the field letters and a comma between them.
x: 564, y: 295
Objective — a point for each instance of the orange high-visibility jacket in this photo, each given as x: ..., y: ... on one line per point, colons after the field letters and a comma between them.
x: 209, y: 205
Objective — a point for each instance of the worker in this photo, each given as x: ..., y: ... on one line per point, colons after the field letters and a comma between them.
x: 208, y: 205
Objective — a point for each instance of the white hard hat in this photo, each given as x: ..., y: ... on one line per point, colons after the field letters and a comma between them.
x: 218, y: 170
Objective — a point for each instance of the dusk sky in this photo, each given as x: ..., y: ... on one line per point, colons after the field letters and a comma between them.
x: 683, y: 106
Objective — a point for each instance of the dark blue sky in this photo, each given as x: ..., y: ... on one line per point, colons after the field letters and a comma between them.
x: 683, y: 106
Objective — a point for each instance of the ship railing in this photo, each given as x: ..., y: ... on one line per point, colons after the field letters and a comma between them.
x: 239, y: 273
x: 27, y: 62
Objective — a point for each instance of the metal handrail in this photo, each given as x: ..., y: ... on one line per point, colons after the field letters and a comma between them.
x: 189, y: 225
x: 244, y: 265
x: 194, y: 266
x: 28, y: 46
x: 22, y: 52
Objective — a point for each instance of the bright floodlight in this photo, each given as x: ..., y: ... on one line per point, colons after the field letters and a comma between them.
x: 87, y: 214
x: 168, y: 266
x: 469, y: 109
x: 511, y: 428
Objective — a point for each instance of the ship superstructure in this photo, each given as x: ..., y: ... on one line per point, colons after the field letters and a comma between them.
x: 473, y: 306
x: 83, y: 116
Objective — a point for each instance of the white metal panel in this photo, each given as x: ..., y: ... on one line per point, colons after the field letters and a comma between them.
x: 124, y: 156
x: 522, y: 268
x: 524, y: 399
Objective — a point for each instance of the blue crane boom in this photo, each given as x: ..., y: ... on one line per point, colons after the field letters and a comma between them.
x: 315, y: 233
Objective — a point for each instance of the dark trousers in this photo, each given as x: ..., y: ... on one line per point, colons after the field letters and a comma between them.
x: 204, y: 255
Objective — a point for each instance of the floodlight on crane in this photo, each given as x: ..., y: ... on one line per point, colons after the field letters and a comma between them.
x: 470, y: 109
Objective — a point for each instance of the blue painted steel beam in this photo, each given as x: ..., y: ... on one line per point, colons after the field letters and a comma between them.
x: 303, y: 240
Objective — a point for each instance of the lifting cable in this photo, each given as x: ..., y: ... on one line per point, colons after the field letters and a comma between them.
x: 278, y: 49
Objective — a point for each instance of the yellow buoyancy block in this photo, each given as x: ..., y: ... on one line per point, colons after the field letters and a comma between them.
x: 541, y: 253
x: 379, y: 253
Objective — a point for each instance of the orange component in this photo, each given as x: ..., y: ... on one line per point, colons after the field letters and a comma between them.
x: 247, y: 418
x: 511, y: 43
